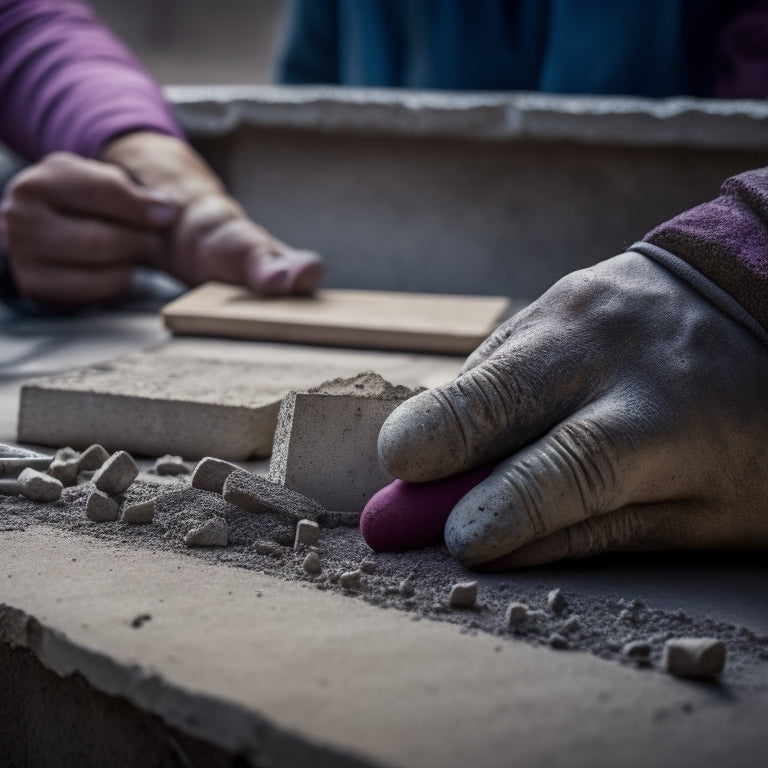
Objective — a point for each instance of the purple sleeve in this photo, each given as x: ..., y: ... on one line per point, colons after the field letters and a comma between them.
x: 66, y: 83
x: 723, y: 244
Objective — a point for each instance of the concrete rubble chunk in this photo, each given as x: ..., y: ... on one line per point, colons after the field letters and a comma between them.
x: 212, y: 533
x: 556, y: 602
x: 210, y: 474
x: 333, y: 426
x: 65, y: 466
x: 101, y: 507
x: 463, y: 595
x: 140, y: 513
x: 92, y: 458
x: 171, y: 465
x: 257, y: 494
x: 307, y: 533
x: 694, y: 656
x: 406, y: 588
x: 116, y: 474
x: 571, y: 625
x: 37, y: 486
x: 516, y: 614
x: 312, y: 563
x: 351, y: 580
x: 368, y: 566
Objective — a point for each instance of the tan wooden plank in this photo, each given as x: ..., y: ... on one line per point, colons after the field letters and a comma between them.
x: 424, y: 322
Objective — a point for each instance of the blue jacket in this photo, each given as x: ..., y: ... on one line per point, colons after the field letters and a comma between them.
x: 643, y: 47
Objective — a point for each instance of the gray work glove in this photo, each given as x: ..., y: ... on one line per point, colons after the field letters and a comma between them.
x: 626, y: 411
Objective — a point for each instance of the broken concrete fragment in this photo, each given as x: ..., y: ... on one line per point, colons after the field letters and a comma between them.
x: 257, y: 494
x: 515, y: 615
x: 463, y: 594
x: 556, y: 602
x: 312, y: 564
x: 694, y: 656
x: 116, y: 474
x: 38, y: 486
x: 210, y: 474
x: 212, y: 533
x: 141, y: 513
x: 307, y: 532
x: 92, y: 458
x: 351, y: 580
x: 326, y: 440
x: 65, y: 466
x: 406, y: 588
x: 368, y: 566
x: 571, y: 625
x: 101, y: 508
x: 171, y: 465
x: 66, y: 454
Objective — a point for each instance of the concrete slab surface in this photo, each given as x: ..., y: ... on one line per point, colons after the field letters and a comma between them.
x: 299, y: 677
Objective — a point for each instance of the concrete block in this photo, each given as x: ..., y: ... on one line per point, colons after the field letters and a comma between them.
x: 92, y: 458
x: 351, y: 580
x: 257, y: 494
x: 694, y: 656
x: 326, y: 441
x: 463, y: 595
x: 210, y: 474
x: 212, y: 533
x: 65, y: 466
x: 556, y: 602
x: 140, y: 513
x: 515, y: 615
x: 307, y: 533
x: 38, y: 486
x: 101, y: 507
x: 116, y: 474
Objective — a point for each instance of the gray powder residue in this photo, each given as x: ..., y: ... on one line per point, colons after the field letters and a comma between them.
x: 416, y: 582
x: 366, y: 384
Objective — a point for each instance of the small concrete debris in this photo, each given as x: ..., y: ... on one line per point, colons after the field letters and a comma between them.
x: 556, y: 602
x: 406, y: 588
x: 637, y: 650
x: 140, y: 513
x: 210, y: 474
x: 116, y: 474
x: 312, y: 563
x: 92, y: 458
x: 368, y: 566
x: 557, y: 641
x: 694, y: 656
x: 463, y: 595
x: 64, y: 470
x: 212, y: 533
x: 515, y: 615
x: 351, y: 580
x: 101, y: 508
x: 37, y: 486
x: 571, y: 625
x: 307, y: 533
x: 257, y: 494
x: 171, y: 465
x: 66, y: 454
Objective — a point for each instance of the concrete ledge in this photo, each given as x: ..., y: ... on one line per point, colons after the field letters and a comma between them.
x: 207, y: 111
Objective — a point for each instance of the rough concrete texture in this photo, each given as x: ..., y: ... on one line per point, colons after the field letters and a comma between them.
x: 210, y: 474
x: 442, y: 697
x: 38, y: 486
x: 13, y: 459
x: 139, y: 513
x: 307, y: 533
x: 193, y: 399
x: 694, y: 656
x: 312, y: 563
x: 65, y: 470
x: 101, y: 507
x: 116, y: 474
x: 516, y: 614
x: 326, y: 440
x: 257, y: 494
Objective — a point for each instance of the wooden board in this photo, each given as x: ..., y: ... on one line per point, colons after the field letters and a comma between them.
x: 422, y: 322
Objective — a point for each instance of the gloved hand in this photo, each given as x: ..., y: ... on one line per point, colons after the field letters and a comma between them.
x: 626, y: 411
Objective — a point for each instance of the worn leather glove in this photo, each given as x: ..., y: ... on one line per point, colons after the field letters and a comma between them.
x: 626, y: 412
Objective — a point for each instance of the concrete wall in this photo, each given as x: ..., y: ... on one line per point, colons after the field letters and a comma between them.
x: 467, y: 193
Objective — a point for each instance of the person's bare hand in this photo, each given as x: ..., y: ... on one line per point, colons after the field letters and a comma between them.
x: 625, y: 411
x: 75, y: 229
x: 213, y: 239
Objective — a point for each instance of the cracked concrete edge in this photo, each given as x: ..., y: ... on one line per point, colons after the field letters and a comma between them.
x: 210, y: 719
x: 211, y: 111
